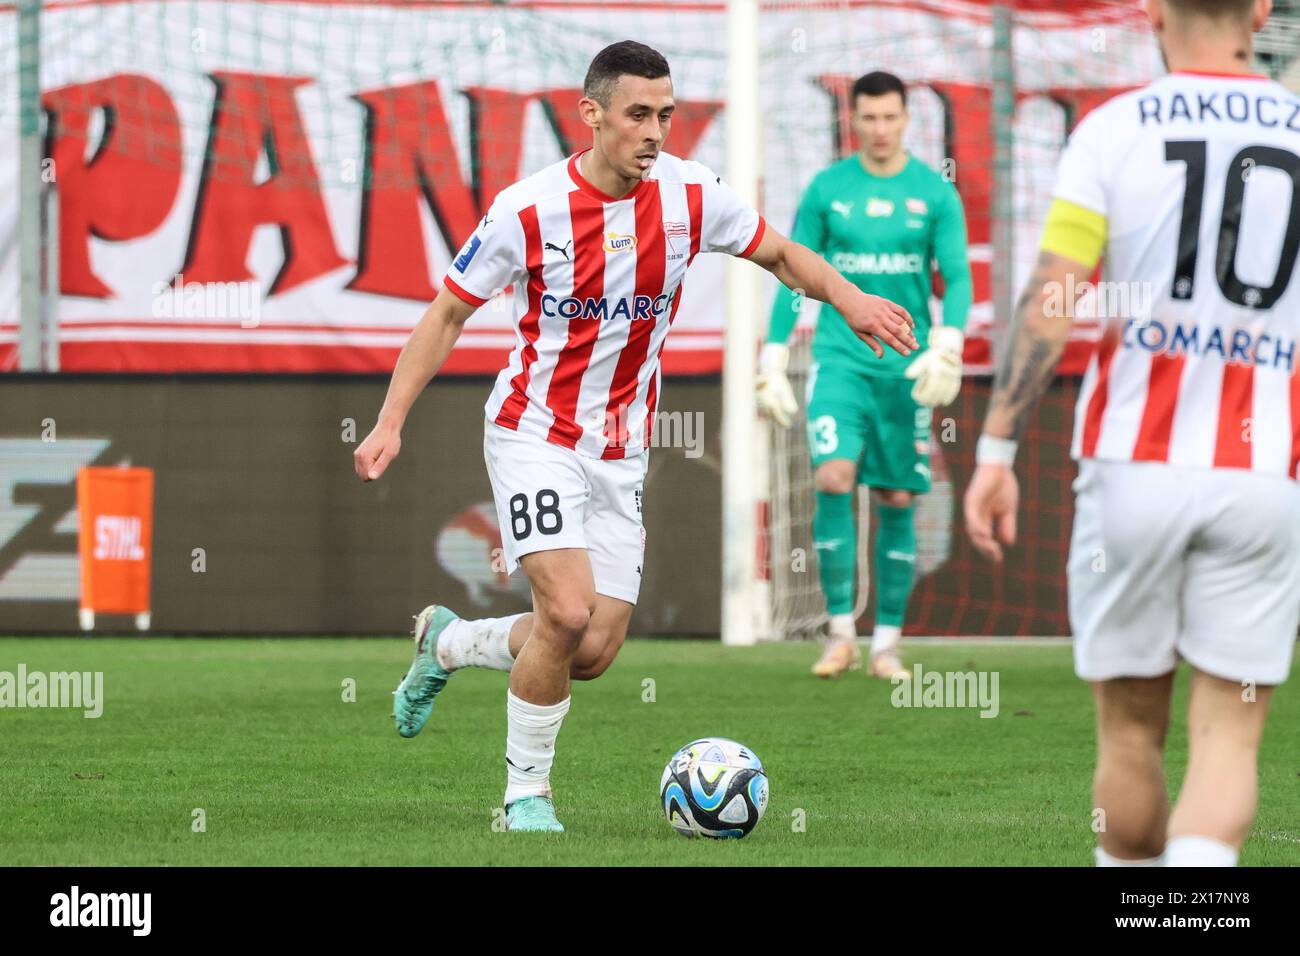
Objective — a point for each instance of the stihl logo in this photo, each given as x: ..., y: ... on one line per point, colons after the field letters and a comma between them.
x: 117, y: 538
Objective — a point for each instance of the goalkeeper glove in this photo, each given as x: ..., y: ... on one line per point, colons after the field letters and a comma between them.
x: 938, y: 370
x: 775, y: 396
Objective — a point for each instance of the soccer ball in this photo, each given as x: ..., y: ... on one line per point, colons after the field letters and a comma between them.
x: 714, y: 788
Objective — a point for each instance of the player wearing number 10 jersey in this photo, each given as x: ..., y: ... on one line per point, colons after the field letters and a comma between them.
x: 595, y: 248
x: 1186, y: 541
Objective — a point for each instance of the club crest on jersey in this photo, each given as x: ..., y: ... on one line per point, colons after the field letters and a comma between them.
x: 917, y: 207
x: 618, y: 242
x: 880, y: 207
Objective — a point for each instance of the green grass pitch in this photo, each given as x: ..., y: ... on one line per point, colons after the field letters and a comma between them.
x: 257, y: 734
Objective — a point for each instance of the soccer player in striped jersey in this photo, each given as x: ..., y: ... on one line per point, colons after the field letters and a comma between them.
x: 595, y: 247
x: 881, y: 217
x: 1186, y: 540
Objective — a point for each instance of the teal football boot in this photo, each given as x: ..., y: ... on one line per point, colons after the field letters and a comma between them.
x: 413, y: 699
x: 533, y: 815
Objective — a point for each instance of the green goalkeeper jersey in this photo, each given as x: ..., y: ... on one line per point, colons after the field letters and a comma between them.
x: 881, y: 233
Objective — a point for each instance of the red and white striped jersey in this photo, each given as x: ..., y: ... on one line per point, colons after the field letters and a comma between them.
x: 1198, y: 178
x: 597, y: 283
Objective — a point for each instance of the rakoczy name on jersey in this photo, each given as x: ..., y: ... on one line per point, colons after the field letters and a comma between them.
x: 1167, y: 108
x: 1238, y: 346
x: 638, y: 307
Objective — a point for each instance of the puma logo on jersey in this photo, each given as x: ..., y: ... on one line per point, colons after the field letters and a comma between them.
x: 564, y: 252
x: 845, y: 209
x: 617, y: 242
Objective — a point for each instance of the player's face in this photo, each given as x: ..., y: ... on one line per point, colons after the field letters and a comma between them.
x: 879, y: 123
x: 632, y: 130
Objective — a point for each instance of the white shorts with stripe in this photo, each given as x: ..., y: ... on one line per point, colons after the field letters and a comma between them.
x: 1198, y: 564
x: 549, y: 497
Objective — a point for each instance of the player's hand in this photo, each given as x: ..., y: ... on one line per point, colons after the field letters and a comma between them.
x: 991, y: 501
x: 874, y: 318
x: 379, y: 448
x: 938, y: 370
x: 775, y: 396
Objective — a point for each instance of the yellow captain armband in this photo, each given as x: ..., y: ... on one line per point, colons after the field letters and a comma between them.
x: 1074, y: 232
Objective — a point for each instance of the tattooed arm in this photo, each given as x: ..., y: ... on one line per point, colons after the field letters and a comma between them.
x: 1037, y: 340
x: 1039, y: 331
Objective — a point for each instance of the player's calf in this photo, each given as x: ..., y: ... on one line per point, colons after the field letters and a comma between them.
x: 1129, y: 784
x: 1217, y: 804
x: 604, y: 638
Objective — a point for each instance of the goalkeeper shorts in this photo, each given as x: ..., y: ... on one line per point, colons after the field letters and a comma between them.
x: 871, y: 420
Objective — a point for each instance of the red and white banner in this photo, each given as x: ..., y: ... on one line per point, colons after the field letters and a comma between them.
x: 271, y: 186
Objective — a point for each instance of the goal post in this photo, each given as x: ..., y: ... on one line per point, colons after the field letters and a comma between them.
x: 744, y: 600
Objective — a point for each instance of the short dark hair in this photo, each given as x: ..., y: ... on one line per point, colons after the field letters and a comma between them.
x: 625, y: 58
x: 878, y: 83
x: 1215, y: 9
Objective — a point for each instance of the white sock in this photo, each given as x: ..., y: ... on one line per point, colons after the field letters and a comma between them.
x: 1105, y: 859
x: 531, y: 730
x: 1198, y: 851
x: 843, y: 627
x: 885, y: 638
x: 482, y: 643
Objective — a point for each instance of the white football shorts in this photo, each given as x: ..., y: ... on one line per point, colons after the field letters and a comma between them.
x: 1198, y: 564
x: 548, y: 497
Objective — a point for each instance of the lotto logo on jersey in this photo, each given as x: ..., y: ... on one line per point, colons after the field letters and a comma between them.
x: 618, y: 242
x: 638, y: 307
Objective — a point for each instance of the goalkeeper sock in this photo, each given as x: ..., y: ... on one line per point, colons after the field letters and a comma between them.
x: 843, y: 627
x: 885, y: 638
x: 895, y: 561
x: 835, y: 538
x: 482, y: 643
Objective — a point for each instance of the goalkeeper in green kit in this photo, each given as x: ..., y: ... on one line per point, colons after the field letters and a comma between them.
x: 880, y: 217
